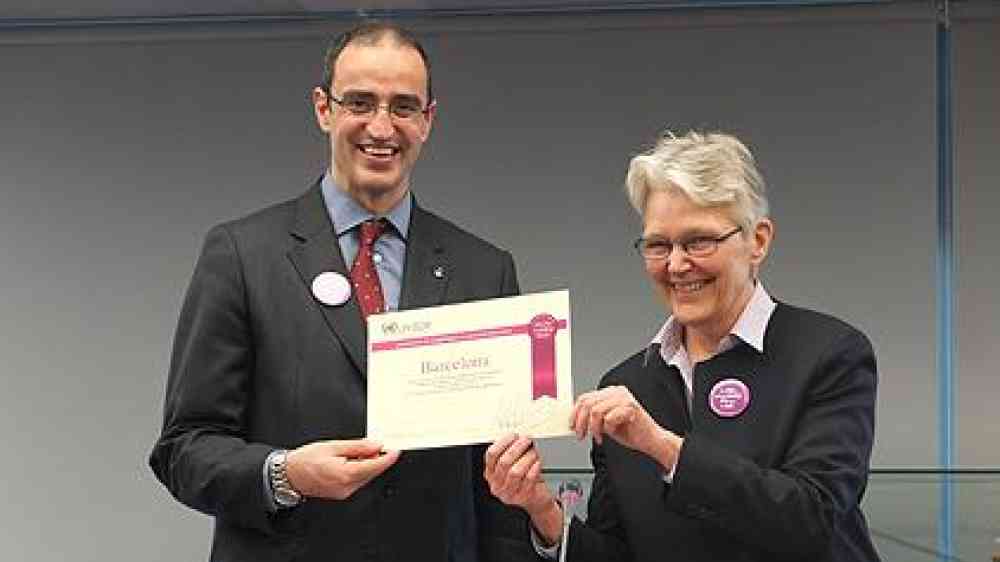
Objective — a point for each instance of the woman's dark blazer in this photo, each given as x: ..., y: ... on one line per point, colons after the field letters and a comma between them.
x: 781, y: 481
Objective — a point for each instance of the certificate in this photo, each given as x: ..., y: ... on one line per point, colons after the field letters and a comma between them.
x: 469, y: 373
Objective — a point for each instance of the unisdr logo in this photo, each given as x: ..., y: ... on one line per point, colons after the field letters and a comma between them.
x: 394, y: 328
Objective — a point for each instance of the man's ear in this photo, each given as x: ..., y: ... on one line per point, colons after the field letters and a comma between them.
x: 429, y: 120
x: 322, y: 109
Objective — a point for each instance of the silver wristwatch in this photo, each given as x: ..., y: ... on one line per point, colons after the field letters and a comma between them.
x: 284, y: 494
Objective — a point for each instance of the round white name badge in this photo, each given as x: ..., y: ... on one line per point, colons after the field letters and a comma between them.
x: 331, y: 288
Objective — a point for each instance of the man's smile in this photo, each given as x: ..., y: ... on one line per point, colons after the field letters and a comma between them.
x: 380, y: 152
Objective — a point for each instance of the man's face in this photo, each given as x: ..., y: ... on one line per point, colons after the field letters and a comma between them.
x: 373, y: 155
x: 705, y: 294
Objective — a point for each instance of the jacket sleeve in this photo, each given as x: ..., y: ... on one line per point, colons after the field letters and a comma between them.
x: 602, y: 537
x: 202, y: 456
x: 793, y: 509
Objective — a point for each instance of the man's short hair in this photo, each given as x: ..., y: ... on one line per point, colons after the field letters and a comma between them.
x: 710, y: 169
x: 370, y: 33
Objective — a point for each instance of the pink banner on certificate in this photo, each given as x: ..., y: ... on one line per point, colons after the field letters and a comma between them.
x: 542, y: 331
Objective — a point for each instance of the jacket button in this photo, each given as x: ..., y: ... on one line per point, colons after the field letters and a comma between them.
x: 389, y: 491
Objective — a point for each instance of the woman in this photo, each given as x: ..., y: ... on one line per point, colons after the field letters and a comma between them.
x: 743, y: 431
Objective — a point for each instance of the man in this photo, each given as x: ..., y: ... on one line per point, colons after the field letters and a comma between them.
x: 744, y: 430
x: 265, y: 403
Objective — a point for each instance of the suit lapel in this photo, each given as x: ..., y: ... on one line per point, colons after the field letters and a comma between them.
x: 664, y: 395
x: 319, y: 251
x: 428, y: 263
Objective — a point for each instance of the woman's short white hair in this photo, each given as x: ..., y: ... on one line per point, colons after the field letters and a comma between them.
x: 711, y: 169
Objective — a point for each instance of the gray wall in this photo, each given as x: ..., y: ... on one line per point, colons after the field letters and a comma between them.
x: 119, y: 149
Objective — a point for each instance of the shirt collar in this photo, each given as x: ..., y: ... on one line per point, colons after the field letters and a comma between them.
x: 749, y: 327
x: 752, y: 323
x: 346, y: 213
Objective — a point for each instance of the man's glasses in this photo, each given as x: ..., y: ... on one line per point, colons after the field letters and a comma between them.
x: 654, y: 248
x: 365, y: 104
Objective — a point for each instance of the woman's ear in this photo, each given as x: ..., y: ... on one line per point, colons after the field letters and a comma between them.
x: 763, y: 234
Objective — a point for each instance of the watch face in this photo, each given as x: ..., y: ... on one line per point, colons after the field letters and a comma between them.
x: 286, y: 498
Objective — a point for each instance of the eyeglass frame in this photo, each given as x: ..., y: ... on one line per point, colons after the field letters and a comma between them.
x: 377, y: 106
x: 640, y: 242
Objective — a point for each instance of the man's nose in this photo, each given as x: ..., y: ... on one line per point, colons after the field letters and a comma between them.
x: 380, y: 124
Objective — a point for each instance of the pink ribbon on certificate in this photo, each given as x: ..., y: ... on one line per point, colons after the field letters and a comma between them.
x: 542, y: 331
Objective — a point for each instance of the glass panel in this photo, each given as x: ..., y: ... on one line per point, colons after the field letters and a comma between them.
x: 977, y: 204
x: 902, y: 511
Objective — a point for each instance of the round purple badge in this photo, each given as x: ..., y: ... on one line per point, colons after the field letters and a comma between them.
x: 729, y: 398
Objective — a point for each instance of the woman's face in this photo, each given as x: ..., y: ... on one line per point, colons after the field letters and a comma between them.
x: 705, y: 294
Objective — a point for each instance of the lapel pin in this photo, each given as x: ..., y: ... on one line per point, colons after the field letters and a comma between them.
x: 438, y: 272
x: 331, y: 288
x: 729, y: 398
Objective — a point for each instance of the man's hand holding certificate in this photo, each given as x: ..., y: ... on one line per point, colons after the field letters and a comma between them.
x: 470, y: 373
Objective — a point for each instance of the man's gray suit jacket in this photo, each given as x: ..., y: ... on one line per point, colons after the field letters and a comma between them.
x: 258, y: 363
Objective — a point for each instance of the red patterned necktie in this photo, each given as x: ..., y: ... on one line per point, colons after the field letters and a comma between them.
x: 367, y: 288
